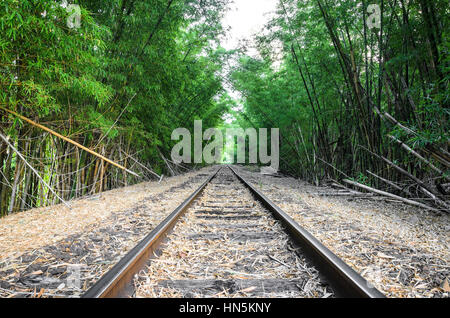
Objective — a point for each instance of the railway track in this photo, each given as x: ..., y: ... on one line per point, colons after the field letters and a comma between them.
x: 228, y: 240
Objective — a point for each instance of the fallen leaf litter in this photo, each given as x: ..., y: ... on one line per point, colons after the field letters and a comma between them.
x: 99, y: 237
x: 403, y: 251
x: 228, y: 245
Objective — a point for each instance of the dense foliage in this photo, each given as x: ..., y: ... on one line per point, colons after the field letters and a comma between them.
x: 356, y: 100
x: 119, y: 84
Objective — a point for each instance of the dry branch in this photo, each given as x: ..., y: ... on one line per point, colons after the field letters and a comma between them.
x: 167, y: 163
x: 34, y: 170
x: 141, y: 165
x: 441, y: 155
x: 390, y: 183
x: 387, y: 194
x: 417, y: 155
x: 68, y: 140
x: 424, y: 187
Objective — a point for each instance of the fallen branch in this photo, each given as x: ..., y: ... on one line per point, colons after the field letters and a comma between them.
x: 178, y: 165
x: 352, y: 194
x: 417, y: 155
x: 117, y: 119
x: 69, y: 140
x: 390, y: 183
x: 32, y: 169
x: 341, y: 172
x: 335, y: 184
x: 441, y: 154
x: 141, y: 165
x: 387, y: 194
x: 423, y: 187
x: 167, y: 164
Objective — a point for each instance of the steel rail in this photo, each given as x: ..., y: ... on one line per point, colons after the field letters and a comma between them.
x: 344, y: 281
x: 117, y: 281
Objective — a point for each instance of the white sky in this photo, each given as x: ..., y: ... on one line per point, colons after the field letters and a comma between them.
x: 246, y: 18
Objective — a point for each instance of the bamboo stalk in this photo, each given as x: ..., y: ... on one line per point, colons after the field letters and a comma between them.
x: 141, y: 165
x: 167, y: 164
x: 387, y: 194
x: 417, y: 155
x: 15, y: 187
x: 432, y: 194
x: 68, y: 140
x: 422, y: 185
x: 31, y: 167
x: 390, y: 183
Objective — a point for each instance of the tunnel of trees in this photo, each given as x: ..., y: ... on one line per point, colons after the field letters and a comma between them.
x: 360, y: 99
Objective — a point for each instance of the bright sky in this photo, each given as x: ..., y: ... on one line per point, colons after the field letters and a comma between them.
x: 246, y: 18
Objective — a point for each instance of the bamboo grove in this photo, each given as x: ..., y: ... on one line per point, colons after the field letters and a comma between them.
x: 360, y: 95
x: 356, y: 103
x: 119, y: 83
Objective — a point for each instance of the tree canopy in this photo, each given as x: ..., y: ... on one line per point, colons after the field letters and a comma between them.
x: 358, y: 89
x: 354, y: 98
x: 119, y: 84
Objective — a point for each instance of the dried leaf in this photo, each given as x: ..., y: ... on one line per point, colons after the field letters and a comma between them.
x: 249, y: 289
x: 384, y: 256
x: 41, y: 292
x: 445, y: 285
x: 39, y: 272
